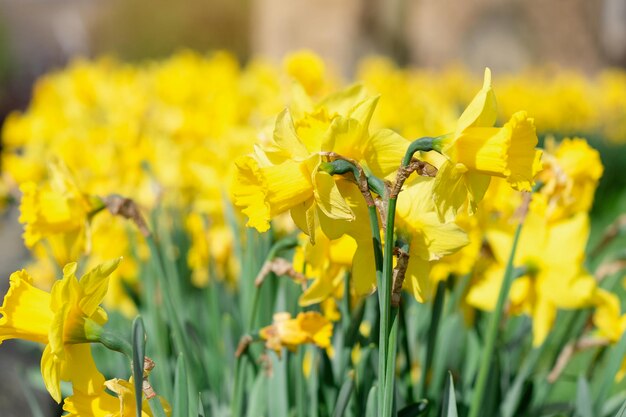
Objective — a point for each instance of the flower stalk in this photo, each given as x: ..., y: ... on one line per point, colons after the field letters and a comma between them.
x: 388, y: 314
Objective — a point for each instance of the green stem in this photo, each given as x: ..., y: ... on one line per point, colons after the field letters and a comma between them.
x: 390, y: 367
x: 341, y: 166
x: 113, y: 342
x: 387, y: 336
x: 424, y: 144
x: 253, y: 312
x: 240, y: 369
x: 376, y: 241
x: 300, y: 385
x: 378, y: 261
x: 385, y: 398
x: 492, y: 331
x: 95, y: 333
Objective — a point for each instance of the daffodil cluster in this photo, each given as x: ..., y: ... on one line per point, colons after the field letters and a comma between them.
x: 400, y: 180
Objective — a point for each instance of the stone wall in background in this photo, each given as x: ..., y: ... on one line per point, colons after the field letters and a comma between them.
x: 507, y: 35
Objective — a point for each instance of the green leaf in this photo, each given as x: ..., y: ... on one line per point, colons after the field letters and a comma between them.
x: 257, y: 400
x: 584, y: 403
x: 156, y: 407
x: 344, y: 398
x: 139, y: 353
x: 514, y: 394
x: 622, y: 411
x: 389, y: 391
x: 450, y: 339
x: 200, y: 406
x: 372, y: 402
x: 607, y: 378
x: 181, y: 389
x: 449, y: 400
x: 277, y: 383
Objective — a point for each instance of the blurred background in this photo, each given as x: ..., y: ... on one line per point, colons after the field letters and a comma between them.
x: 507, y: 35
x: 37, y: 36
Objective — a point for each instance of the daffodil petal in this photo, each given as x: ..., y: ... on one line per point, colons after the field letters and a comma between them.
x: 286, y: 137
x: 329, y: 199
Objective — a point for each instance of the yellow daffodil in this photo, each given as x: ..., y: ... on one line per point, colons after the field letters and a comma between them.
x: 106, y: 405
x: 571, y: 174
x: 309, y: 327
x: 552, y: 256
x: 459, y: 263
x: 205, y: 250
x: 288, y: 178
x: 58, y: 212
x: 429, y: 239
x: 91, y: 399
x: 476, y: 151
x: 607, y: 317
x: 326, y: 264
x: 609, y: 321
x: 307, y: 68
x: 70, y: 314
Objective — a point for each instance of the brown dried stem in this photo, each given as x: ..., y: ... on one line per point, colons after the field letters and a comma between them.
x: 610, y: 234
x: 128, y: 209
x: 244, y: 343
x: 148, y: 366
x: 280, y: 266
x: 422, y: 168
x: 569, y: 350
x: 398, y: 276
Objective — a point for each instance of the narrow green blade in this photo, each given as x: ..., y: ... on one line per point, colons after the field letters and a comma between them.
x: 139, y: 353
x: 449, y: 400
x: 181, y: 389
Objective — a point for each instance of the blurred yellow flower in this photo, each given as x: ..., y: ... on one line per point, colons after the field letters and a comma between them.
x: 607, y: 317
x: 307, y: 68
x: 326, y: 264
x: 58, y: 212
x: 551, y: 255
x: 309, y: 327
x: 571, y: 173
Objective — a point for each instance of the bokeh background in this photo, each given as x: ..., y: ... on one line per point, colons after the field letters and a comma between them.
x: 37, y: 36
